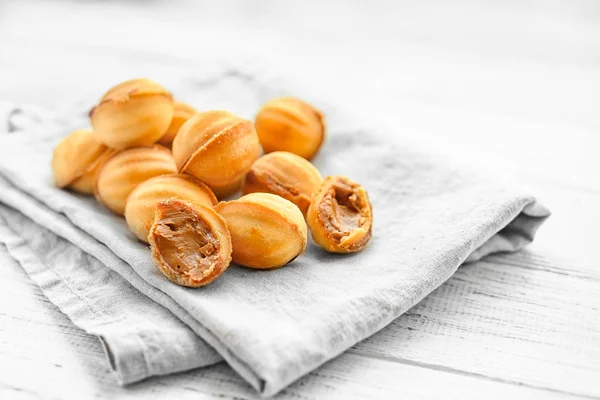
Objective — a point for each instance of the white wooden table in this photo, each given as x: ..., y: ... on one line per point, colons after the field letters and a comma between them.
x: 516, y: 84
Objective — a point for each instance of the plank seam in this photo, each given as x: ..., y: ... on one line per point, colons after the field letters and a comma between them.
x: 498, y: 258
x: 442, y: 368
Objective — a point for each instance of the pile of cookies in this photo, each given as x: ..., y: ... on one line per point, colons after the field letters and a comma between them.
x: 164, y: 166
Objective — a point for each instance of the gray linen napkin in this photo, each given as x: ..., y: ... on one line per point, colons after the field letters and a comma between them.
x: 431, y: 214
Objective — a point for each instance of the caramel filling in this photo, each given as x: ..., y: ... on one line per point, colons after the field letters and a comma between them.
x: 185, y: 243
x: 342, y: 209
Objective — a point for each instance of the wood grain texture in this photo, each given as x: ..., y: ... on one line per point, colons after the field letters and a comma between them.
x: 500, y: 320
x: 63, y: 362
x: 513, y: 85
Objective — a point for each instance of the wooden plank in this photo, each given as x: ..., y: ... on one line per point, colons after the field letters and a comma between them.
x: 566, y: 242
x: 501, y: 320
x: 63, y: 362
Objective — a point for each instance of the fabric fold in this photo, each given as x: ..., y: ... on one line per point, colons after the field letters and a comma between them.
x: 141, y: 338
x: 430, y: 216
